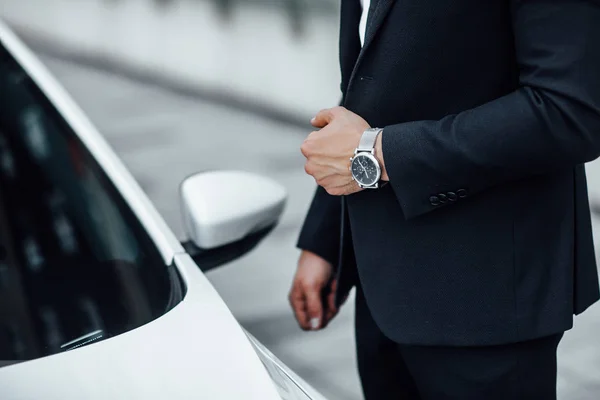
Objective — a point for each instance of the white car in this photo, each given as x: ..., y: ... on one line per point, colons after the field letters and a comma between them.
x: 98, y: 298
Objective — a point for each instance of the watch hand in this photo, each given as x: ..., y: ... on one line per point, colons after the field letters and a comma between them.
x: 361, y: 164
x: 363, y: 167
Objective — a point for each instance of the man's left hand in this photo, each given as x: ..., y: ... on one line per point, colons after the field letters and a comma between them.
x: 328, y: 150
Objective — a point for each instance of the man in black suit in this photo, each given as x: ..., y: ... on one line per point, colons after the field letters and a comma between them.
x: 470, y: 264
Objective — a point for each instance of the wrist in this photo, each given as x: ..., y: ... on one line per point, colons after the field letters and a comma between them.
x: 379, y: 156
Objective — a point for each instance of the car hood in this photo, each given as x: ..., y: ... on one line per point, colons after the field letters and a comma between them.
x: 197, y: 350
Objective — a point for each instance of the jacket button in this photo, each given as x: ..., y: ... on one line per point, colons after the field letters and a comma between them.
x: 443, y: 198
x: 434, y: 200
x: 462, y: 193
x: 452, y: 196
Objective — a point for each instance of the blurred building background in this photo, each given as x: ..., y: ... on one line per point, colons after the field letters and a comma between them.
x: 180, y: 86
x: 272, y: 54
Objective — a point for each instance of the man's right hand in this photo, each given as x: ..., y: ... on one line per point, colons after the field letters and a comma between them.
x: 312, y: 311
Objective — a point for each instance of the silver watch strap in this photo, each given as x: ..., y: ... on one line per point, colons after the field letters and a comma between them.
x: 368, y: 139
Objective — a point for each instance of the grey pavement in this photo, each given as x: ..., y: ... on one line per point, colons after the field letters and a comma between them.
x: 163, y: 137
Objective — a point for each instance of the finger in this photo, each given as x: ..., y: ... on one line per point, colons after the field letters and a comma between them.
x: 337, y: 175
x: 330, y: 316
x: 332, y: 309
x: 323, y: 118
x: 332, y: 181
x: 314, y: 307
x: 342, y: 190
x: 298, y: 303
x: 306, y: 146
x: 351, y: 188
x: 331, y: 297
x: 328, y: 176
x: 318, y: 123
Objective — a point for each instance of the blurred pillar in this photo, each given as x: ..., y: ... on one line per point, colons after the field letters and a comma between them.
x: 225, y: 8
x: 296, y: 9
x: 298, y: 15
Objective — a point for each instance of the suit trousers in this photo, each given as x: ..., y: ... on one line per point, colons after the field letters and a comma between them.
x: 389, y: 370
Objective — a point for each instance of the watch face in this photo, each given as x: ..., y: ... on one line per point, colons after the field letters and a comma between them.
x: 365, y: 169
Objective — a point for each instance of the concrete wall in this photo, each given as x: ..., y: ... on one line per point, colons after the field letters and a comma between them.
x: 253, y: 56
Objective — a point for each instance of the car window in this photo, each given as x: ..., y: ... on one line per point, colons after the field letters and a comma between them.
x: 76, y: 266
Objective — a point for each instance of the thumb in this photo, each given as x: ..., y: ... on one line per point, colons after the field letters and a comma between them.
x: 314, y: 308
x: 322, y: 119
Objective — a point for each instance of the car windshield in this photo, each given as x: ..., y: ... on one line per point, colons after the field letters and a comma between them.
x: 76, y: 266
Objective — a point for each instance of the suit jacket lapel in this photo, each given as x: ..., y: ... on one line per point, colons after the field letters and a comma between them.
x: 349, y: 39
x: 376, y: 21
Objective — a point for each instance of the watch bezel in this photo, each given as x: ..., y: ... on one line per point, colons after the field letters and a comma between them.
x: 373, y: 159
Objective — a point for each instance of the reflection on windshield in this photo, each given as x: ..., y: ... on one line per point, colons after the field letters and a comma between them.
x: 76, y: 267
x: 83, y: 340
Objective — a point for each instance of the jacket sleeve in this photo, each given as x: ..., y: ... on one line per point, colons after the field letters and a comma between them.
x: 551, y: 122
x: 320, y: 233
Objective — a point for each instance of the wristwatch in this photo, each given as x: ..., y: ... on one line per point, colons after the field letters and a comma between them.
x: 365, y: 168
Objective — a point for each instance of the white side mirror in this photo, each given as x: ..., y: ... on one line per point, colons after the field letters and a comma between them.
x: 224, y: 207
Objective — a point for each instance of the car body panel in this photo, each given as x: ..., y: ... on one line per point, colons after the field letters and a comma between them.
x: 197, y: 350
x: 291, y: 384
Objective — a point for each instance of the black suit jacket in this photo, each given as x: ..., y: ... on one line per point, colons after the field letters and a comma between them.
x: 489, y: 110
